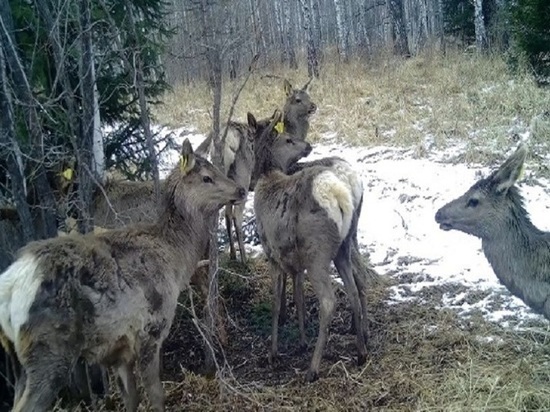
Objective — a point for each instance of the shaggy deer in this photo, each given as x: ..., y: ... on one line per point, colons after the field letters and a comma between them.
x: 305, y: 221
x: 346, y: 173
x: 519, y: 253
x: 111, y: 297
x: 238, y: 153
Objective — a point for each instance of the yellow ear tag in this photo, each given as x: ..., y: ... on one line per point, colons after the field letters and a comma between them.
x: 183, y: 163
x: 68, y: 174
x: 280, y: 127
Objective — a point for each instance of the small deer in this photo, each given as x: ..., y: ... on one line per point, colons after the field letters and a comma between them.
x: 345, y: 172
x: 519, y: 253
x: 110, y: 298
x: 305, y: 221
x: 238, y: 153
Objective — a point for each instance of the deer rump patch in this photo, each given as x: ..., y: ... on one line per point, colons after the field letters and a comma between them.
x: 336, y: 198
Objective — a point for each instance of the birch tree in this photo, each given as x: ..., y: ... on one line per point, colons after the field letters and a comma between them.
x: 479, y: 21
x: 312, y: 55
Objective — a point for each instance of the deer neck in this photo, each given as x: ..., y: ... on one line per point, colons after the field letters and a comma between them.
x: 297, y: 128
x: 187, y: 236
x: 520, y: 258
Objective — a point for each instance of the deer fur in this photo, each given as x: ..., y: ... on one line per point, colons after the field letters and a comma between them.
x: 110, y: 297
x: 519, y: 253
x: 345, y: 172
x: 305, y: 221
x: 238, y: 152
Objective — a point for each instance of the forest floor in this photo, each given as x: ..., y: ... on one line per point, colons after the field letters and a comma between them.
x: 443, y: 334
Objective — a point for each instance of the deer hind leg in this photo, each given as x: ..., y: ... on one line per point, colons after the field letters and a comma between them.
x: 149, y: 365
x: 344, y: 267
x: 228, y: 222
x: 277, y: 279
x: 298, y: 283
x: 319, y: 276
x: 238, y: 211
x: 360, y: 278
x: 46, y: 373
x: 127, y: 384
x: 282, y: 304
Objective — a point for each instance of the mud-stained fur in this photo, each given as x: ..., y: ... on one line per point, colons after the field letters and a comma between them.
x: 298, y: 232
x: 110, y: 298
x: 519, y: 253
x: 361, y: 266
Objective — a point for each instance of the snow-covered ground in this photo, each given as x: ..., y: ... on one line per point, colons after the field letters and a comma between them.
x: 397, y: 226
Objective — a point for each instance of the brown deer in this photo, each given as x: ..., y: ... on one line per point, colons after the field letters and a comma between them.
x: 345, y: 172
x: 238, y: 153
x: 110, y: 297
x: 305, y: 221
x: 519, y: 253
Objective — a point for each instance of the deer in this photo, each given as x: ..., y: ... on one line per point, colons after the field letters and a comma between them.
x: 518, y: 252
x: 116, y: 204
x: 238, y: 153
x: 305, y: 221
x: 110, y: 297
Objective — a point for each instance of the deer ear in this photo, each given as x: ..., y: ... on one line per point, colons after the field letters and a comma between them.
x: 251, y: 120
x: 288, y: 87
x: 510, y: 171
x: 187, y: 157
x: 307, y: 84
x: 277, y: 116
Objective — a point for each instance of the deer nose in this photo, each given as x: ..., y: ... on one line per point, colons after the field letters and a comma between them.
x: 242, y: 192
x: 308, y: 149
x: 313, y: 108
x: 438, y: 216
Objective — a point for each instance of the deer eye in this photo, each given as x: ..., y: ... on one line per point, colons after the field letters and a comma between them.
x: 289, y: 140
x: 472, y: 202
x: 207, y: 179
x: 298, y: 100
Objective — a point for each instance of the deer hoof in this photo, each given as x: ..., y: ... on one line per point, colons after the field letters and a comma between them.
x: 311, y: 376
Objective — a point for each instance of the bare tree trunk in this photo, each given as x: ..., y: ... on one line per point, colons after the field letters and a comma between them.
x: 479, y: 22
x: 316, y: 27
x: 10, y: 148
x: 86, y: 141
x: 312, y: 60
x: 290, y: 43
x: 341, y: 25
x: 399, y: 35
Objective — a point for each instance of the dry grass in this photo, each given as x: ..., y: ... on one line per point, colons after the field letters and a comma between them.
x: 429, y: 98
x: 422, y: 358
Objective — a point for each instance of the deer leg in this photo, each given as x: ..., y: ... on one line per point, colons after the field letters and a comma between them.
x: 298, y: 283
x: 277, y: 277
x: 238, y: 211
x: 127, y: 384
x: 344, y: 267
x: 228, y: 222
x: 319, y: 277
x: 360, y: 279
x: 282, y: 307
x: 149, y: 363
x: 46, y: 373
